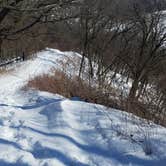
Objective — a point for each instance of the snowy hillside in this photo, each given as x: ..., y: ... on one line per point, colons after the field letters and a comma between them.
x: 42, y: 129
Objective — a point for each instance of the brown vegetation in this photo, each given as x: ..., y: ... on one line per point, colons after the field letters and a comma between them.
x: 61, y: 83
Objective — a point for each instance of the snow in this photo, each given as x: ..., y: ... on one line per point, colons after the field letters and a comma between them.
x: 43, y: 129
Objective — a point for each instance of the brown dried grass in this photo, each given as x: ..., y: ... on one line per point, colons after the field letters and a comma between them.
x: 61, y: 83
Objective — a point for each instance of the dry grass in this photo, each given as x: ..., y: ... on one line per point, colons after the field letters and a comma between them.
x: 62, y: 84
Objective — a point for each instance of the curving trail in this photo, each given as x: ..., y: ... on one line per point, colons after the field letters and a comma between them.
x: 42, y: 129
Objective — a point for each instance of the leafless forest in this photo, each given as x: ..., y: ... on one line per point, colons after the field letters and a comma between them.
x: 117, y: 38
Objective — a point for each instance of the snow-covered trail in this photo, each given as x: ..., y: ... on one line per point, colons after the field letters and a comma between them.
x: 38, y: 125
x: 42, y: 129
x: 15, y: 79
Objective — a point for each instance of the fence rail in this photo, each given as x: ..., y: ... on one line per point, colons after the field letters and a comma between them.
x: 11, y: 61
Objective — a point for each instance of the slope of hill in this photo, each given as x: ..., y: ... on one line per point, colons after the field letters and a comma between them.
x: 43, y: 129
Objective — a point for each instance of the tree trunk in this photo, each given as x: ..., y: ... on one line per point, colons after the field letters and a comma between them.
x: 81, y: 65
x: 0, y: 48
x: 132, y: 96
x: 133, y: 90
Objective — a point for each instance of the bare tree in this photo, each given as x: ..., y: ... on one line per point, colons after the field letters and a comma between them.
x: 18, y: 16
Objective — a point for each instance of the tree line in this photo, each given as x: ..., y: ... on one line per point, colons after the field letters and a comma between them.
x: 118, y: 38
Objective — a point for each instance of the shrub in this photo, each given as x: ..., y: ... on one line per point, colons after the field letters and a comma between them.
x: 60, y: 83
x: 147, y: 146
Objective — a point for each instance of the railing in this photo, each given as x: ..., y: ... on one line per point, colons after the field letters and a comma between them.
x: 14, y: 60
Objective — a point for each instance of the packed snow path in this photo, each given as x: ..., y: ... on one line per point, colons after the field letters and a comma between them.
x: 42, y: 129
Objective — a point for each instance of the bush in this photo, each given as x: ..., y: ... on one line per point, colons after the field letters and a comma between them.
x: 147, y: 146
x: 60, y: 83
